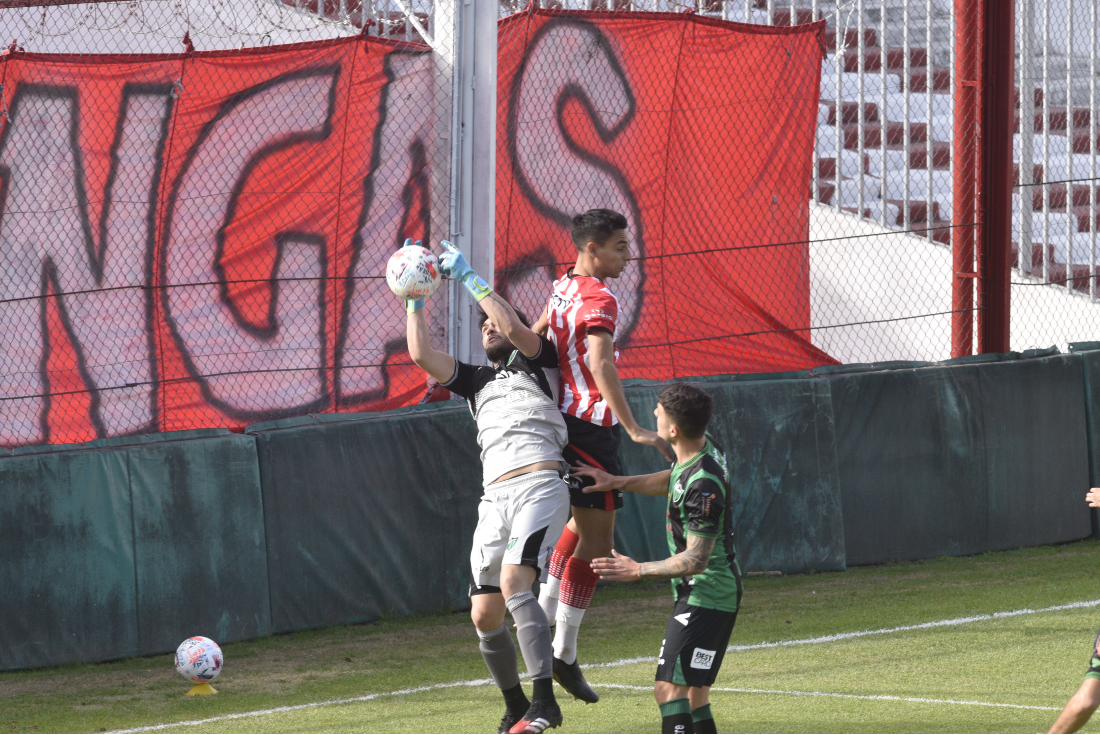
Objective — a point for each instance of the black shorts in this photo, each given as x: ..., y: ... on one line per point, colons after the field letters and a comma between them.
x: 694, y: 645
x: 597, y: 446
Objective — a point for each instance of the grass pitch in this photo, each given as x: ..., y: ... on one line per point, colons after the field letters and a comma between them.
x: 1002, y: 674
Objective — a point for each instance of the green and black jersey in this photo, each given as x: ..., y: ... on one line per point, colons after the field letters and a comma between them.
x: 699, y: 504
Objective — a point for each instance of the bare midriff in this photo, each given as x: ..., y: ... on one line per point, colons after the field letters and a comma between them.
x: 536, y: 467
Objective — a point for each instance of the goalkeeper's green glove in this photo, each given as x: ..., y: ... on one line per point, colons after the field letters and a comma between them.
x: 453, y: 264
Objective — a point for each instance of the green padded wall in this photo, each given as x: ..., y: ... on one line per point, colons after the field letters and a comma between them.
x: 960, y: 458
x: 779, y: 439
x: 368, y: 515
x: 199, y: 540
x: 1090, y: 363
x: 66, y: 541
x: 126, y: 546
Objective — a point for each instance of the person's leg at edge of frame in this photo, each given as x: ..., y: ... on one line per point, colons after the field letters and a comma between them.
x: 701, y: 716
x: 596, y: 529
x: 675, y: 704
x: 555, y: 570
x: 1079, y: 708
x: 498, y: 649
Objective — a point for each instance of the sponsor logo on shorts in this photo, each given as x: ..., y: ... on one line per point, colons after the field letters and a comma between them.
x: 702, y: 659
x: 682, y: 619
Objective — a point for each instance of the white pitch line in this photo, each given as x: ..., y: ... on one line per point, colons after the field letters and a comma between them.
x: 884, y: 697
x: 650, y: 659
x: 291, y: 708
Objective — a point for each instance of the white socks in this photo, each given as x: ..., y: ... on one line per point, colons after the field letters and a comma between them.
x: 548, y: 598
x: 565, y: 637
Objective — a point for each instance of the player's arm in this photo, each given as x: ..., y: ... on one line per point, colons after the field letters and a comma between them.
x: 504, y: 316
x: 542, y: 326
x: 692, y: 560
x: 439, y: 365
x: 654, y: 484
x: 601, y: 361
x: 454, y: 265
x: 1078, y: 709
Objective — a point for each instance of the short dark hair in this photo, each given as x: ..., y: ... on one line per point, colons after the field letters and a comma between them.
x: 482, y: 317
x: 595, y: 225
x: 689, y: 407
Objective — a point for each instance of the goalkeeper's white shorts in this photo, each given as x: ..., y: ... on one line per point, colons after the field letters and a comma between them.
x: 518, y: 522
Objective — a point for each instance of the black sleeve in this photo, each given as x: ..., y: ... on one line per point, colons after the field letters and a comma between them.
x: 464, y: 381
x: 704, y: 502
x: 547, y: 356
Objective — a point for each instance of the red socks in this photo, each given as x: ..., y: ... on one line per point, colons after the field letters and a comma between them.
x: 563, y: 551
x: 578, y: 584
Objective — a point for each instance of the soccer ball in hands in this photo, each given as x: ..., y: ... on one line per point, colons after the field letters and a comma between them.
x: 199, y: 660
x: 413, y: 272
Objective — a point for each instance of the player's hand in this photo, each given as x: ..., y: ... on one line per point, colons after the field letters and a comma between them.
x: 1093, y: 497
x: 645, y: 436
x: 604, y: 480
x: 453, y: 264
x: 617, y: 568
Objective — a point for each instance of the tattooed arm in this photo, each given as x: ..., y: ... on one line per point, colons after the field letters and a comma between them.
x: 692, y: 560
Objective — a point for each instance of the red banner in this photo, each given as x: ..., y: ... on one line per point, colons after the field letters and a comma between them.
x: 199, y: 240
x: 701, y: 132
x: 209, y: 232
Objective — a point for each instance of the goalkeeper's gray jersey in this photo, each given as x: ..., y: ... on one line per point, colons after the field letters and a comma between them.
x: 515, y: 406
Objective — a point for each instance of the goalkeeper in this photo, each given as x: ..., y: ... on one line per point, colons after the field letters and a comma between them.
x: 526, y: 502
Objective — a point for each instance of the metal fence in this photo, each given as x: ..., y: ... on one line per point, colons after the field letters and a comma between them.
x: 199, y: 201
x: 870, y: 257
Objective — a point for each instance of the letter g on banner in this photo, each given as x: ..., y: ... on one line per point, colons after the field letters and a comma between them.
x: 223, y: 354
x: 569, y: 61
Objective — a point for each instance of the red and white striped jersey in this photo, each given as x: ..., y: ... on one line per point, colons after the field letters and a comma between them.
x: 581, y: 304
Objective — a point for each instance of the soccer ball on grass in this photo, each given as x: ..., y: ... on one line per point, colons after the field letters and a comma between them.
x: 199, y: 660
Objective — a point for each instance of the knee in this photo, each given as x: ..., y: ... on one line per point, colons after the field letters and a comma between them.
x: 485, y: 618
x: 665, y: 691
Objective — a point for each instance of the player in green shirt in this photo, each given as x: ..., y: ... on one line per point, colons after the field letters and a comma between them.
x: 706, y: 581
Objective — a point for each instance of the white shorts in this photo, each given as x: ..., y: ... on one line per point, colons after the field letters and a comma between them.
x: 518, y: 522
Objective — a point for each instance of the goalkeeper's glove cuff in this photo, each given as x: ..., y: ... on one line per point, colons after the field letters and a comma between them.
x: 477, y: 287
x: 413, y: 306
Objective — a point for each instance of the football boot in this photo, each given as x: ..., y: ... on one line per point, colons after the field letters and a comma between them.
x: 571, y: 679
x: 541, y: 716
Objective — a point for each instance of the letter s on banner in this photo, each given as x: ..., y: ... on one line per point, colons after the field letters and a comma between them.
x: 571, y: 61
x: 221, y: 353
x: 46, y: 240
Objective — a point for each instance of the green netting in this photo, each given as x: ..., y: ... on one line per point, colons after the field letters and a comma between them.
x: 370, y: 515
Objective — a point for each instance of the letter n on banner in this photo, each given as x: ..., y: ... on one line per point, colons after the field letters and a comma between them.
x: 78, y: 211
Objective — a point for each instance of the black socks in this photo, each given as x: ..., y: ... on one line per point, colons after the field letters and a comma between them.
x: 515, y: 700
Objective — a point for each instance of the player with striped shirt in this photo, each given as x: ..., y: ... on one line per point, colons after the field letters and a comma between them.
x: 581, y: 317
